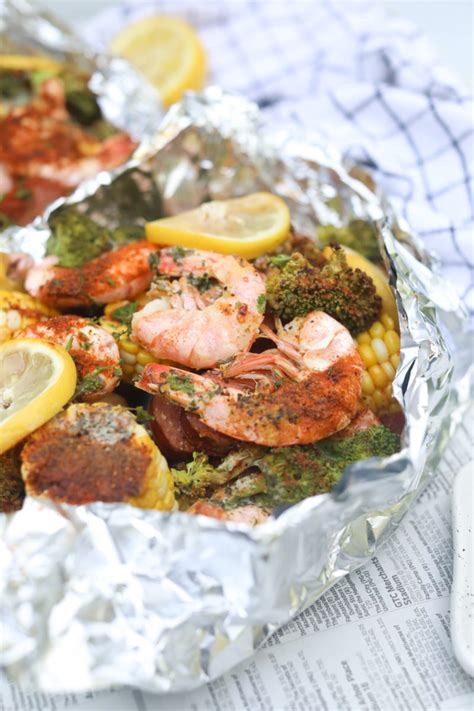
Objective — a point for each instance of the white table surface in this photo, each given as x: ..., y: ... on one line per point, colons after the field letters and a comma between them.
x: 449, y: 24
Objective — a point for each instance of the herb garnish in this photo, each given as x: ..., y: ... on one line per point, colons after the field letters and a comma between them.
x: 183, y: 383
x: 141, y: 414
x: 90, y: 383
x: 202, y: 283
x: 23, y: 193
x: 124, y: 314
x: 178, y: 253
x: 261, y: 303
x: 279, y: 260
x: 153, y: 261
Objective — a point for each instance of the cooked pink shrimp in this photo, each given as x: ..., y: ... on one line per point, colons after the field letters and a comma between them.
x: 39, y: 141
x: 92, y: 348
x: 196, y: 331
x: 305, y: 389
x: 120, y: 274
x: 249, y: 513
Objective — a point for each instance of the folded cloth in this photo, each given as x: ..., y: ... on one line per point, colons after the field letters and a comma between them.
x: 368, y: 83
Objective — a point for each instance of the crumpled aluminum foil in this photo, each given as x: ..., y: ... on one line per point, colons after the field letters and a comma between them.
x: 125, y: 97
x: 109, y: 594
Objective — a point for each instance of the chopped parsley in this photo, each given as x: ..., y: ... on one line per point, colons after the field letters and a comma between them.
x: 261, y: 303
x: 69, y: 343
x: 5, y: 221
x: 153, y: 261
x: 23, y: 193
x: 141, y: 414
x: 178, y: 253
x: 183, y: 383
x: 90, y: 383
x: 124, y: 313
x: 279, y: 260
x: 202, y: 283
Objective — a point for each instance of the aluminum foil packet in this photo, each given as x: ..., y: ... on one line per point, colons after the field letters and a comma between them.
x: 126, y: 99
x: 106, y: 594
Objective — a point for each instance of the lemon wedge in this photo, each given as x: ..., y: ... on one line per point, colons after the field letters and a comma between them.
x: 167, y: 51
x: 36, y: 379
x: 28, y: 62
x: 378, y: 276
x: 248, y: 226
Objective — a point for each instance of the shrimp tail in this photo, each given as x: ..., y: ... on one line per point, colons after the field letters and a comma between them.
x: 189, y: 390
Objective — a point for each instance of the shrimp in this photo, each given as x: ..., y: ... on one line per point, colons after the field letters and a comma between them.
x: 120, y: 274
x: 305, y: 389
x: 92, y: 348
x: 39, y: 140
x: 190, y: 328
x: 250, y: 513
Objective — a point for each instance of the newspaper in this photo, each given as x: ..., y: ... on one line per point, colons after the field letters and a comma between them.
x: 379, y: 640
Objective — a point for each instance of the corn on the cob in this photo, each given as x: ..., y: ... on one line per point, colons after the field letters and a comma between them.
x: 379, y: 348
x: 18, y: 310
x: 132, y: 356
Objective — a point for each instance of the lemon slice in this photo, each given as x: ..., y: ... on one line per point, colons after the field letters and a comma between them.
x: 248, y: 226
x: 378, y: 276
x: 167, y: 51
x: 28, y: 62
x: 36, y: 379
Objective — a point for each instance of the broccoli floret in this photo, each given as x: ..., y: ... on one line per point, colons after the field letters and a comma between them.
x: 346, y: 294
x: 281, y: 475
x: 81, y: 102
x: 76, y: 239
x: 200, y: 475
x: 12, y: 489
x: 14, y: 84
x: 359, y: 235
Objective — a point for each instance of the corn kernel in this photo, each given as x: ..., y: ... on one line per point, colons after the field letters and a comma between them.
x: 143, y: 358
x: 379, y: 400
x: 367, y: 355
x: 377, y: 330
x: 13, y: 319
x: 392, y: 341
x: 368, y: 386
x: 363, y: 338
x: 380, y: 350
x: 389, y: 371
x: 127, y: 358
x: 129, y: 346
x: 395, y: 360
x: 387, y: 322
x: 378, y: 376
x: 4, y: 334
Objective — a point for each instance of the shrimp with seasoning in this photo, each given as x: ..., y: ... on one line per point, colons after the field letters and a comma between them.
x: 119, y: 274
x: 187, y: 325
x: 93, y: 349
x: 47, y: 154
x: 249, y: 513
x: 305, y: 389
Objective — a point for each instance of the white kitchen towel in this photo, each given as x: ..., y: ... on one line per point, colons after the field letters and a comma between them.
x: 369, y: 83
